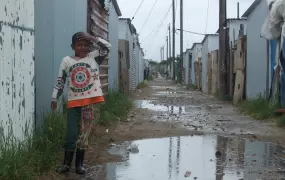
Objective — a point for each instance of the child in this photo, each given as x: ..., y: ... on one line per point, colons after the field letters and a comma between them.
x: 84, y: 91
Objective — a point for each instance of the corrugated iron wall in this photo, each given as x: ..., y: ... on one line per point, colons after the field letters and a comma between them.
x: 98, y: 26
x: 133, y: 68
x: 17, y: 77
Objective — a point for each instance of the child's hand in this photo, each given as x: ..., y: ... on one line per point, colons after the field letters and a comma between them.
x: 53, y: 106
x: 86, y: 36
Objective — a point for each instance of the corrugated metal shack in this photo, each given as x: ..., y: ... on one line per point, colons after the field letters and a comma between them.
x: 17, y: 74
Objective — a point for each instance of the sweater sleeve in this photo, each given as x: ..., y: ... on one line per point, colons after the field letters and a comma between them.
x: 100, y: 54
x: 60, y: 81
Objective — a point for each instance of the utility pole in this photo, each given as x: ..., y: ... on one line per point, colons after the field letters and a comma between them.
x: 181, y: 42
x: 173, y: 36
x: 222, y: 46
x: 167, y: 64
x: 162, y: 53
x: 166, y: 47
x: 169, y: 39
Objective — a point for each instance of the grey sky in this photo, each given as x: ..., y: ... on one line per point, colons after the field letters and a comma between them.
x: 195, y: 15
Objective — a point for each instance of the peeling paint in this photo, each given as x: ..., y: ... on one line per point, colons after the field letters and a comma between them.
x: 17, y: 74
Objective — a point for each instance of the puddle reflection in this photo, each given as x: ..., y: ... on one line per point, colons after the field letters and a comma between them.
x: 147, y: 104
x: 170, y: 158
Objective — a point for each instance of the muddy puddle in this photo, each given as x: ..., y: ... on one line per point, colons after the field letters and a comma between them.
x: 150, y: 105
x: 196, y: 157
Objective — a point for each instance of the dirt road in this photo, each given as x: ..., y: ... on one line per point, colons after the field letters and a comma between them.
x: 186, y: 135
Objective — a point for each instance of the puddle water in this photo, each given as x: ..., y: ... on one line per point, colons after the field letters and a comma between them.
x: 171, y: 92
x: 147, y: 104
x: 198, y: 157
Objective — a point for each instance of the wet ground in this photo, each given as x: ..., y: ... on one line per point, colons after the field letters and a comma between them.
x: 205, y: 157
x: 175, y: 134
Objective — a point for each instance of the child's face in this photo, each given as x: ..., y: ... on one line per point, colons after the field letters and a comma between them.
x: 81, y: 48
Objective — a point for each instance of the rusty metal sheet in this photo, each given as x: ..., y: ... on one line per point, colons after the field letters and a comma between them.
x: 17, y: 75
x: 98, y: 26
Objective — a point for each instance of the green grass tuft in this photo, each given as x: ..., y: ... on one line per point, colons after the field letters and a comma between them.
x: 38, y: 153
x: 191, y: 87
x: 29, y: 159
x: 117, y: 106
x: 150, y: 78
x: 258, y: 108
x: 142, y: 85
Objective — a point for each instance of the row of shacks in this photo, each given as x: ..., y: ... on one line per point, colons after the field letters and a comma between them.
x: 36, y: 35
x: 252, y: 56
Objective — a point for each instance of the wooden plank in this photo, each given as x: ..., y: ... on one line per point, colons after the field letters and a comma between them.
x: 97, y: 22
x: 209, y: 73
x: 239, y: 87
x: 215, y: 71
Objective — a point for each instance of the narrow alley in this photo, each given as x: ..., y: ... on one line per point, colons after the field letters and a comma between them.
x: 150, y: 90
x: 186, y: 135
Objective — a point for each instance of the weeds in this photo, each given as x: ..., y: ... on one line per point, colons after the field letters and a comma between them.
x: 27, y: 160
x: 142, y: 85
x: 117, y: 105
x: 150, y: 78
x: 281, y: 121
x: 258, y: 108
x: 191, y: 86
x: 39, y: 153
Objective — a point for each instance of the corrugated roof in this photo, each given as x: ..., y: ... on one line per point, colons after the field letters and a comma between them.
x: 132, y: 27
x: 205, y: 37
x: 117, y: 8
x: 193, y: 45
x: 251, y: 8
x: 234, y: 19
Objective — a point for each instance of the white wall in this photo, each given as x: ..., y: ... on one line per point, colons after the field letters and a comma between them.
x: 196, y: 52
x: 55, y: 23
x: 113, y: 73
x: 210, y: 44
x: 234, y: 27
x: 256, y: 62
x: 17, y: 68
x: 125, y: 34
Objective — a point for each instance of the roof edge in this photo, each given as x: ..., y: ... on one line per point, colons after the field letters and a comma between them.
x: 117, y: 8
x: 251, y: 8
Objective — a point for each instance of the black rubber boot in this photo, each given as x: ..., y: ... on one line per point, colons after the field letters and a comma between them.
x: 79, y: 161
x: 68, y: 156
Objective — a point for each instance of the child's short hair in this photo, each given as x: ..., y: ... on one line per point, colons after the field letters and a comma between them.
x: 75, y: 37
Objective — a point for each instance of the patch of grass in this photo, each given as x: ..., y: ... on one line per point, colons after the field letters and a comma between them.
x: 150, y: 78
x: 117, y: 106
x: 142, y: 85
x: 281, y: 121
x: 258, y: 108
x: 38, y: 153
x: 191, y: 86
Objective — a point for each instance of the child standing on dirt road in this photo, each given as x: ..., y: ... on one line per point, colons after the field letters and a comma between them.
x: 84, y: 91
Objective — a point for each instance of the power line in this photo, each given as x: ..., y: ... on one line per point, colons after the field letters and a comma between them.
x: 137, y: 9
x: 154, y: 35
x: 203, y: 34
x: 158, y: 27
x: 148, y: 16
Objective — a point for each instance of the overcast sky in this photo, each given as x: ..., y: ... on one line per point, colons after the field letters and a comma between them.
x: 195, y: 19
